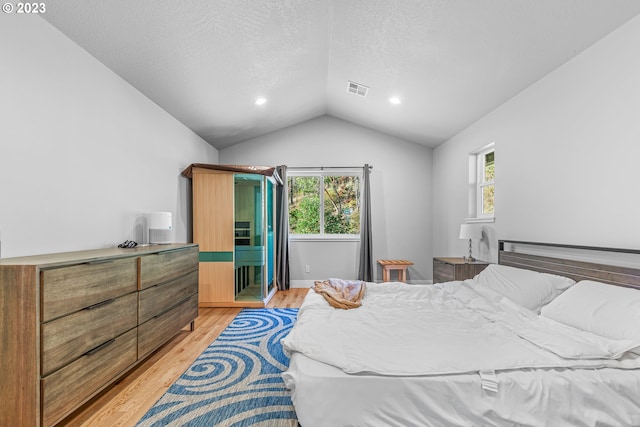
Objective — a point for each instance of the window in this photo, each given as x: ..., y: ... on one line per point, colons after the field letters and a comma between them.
x: 482, y: 184
x: 324, y: 204
x: 486, y: 188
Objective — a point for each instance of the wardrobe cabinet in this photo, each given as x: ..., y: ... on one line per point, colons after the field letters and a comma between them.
x: 233, y: 224
x: 73, y: 323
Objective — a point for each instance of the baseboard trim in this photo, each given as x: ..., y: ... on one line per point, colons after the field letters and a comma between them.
x: 295, y: 284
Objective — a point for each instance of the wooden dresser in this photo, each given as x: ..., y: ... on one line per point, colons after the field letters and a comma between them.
x: 448, y: 269
x: 73, y: 323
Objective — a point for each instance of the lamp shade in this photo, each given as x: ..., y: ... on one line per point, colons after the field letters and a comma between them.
x: 470, y: 231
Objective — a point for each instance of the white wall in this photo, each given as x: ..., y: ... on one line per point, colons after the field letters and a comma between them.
x: 83, y: 155
x: 567, y: 156
x: 400, y: 193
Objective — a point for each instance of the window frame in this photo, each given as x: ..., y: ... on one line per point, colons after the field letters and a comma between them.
x: 477, y: 183
x: 321, y: 173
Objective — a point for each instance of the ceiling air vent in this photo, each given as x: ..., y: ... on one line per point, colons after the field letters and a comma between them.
x: 357, y: 89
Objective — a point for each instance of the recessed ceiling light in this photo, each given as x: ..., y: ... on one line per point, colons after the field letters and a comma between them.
x: 395, y: 100
x: 261, y: 101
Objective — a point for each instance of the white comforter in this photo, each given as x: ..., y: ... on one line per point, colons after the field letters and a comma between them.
x: 411, y: 330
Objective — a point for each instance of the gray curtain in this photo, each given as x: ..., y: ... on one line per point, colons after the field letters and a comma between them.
x: 365, y: 270
x: 282, y: 231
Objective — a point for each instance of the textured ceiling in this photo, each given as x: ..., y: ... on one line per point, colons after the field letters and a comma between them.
x: 450, y: 61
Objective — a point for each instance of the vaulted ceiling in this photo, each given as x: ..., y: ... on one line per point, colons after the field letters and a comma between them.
x: 449, y: 62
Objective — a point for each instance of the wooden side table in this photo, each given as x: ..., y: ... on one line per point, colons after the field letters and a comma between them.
x: 394, y: 264
x: 449, y: 269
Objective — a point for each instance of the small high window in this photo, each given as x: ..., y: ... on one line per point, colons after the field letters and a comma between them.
x: 482, y: 171
x: 486, y: 187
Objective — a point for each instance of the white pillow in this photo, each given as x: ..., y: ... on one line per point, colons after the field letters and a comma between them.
x: 527, y: 288
x: 606, y: 310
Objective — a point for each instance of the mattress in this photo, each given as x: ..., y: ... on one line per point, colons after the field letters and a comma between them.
x: 324, y: 396
x: 391, y: 378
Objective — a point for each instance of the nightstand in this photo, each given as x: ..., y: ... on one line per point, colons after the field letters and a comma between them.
x: 448, y: 269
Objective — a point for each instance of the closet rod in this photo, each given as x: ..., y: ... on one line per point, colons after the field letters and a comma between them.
x: 329, y: 167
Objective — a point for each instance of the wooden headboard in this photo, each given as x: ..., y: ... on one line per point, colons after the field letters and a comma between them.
x: 577, y: 270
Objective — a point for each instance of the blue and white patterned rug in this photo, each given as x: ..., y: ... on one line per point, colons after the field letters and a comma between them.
x: 236, y: 381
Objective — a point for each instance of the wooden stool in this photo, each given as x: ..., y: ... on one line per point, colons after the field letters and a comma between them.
x: 394, y: 264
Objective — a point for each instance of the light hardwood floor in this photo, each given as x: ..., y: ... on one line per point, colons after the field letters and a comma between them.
x: 128, y: 400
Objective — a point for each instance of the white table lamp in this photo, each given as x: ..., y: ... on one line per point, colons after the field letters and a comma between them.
x: 470, y: 231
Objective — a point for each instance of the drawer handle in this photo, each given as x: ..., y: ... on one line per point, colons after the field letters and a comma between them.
x: 100, y: 347
x: 100, y: 304
x: 99, y: 261
x: 168, y: 251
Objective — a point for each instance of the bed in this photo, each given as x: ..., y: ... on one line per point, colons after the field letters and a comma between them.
x: 534, y: 340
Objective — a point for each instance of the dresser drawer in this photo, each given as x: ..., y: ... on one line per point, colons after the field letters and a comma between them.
x: 68, y: 289
x: 443, y: 272
x: 161, y: 267
x: 66, y: 389
x: 159, y: 329
x: 159, y: 298
x: 69, y: 337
